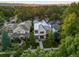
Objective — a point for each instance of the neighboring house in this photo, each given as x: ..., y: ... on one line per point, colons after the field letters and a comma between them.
x: 18, y: 30
x: 10, y: 26
x: 23, y: 30
x: 41, y: 29
x: 27, y: 24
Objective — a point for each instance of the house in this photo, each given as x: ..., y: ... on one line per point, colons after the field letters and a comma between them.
x: 41, y: 29
x: 18, y: 30
x: 27, y: 24
x: 10, y: 26
x: 55, y: 25
x: 22, y: 31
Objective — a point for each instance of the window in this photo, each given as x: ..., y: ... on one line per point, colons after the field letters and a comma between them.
x: 36, y: 31
x: 41, y: 37
x: 42, y: 32
x: 46, y: 35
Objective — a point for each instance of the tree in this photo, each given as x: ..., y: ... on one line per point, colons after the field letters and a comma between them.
x: 68, y: 25
x: 71, y: 22
x: 8, y: 11
x: 69, y: 46
x: 5, y: 40
x: 49, y: 40
x: 23, y: 13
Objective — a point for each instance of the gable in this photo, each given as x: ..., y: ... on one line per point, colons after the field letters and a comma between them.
x: 41, y: 28
x: 19, y: 30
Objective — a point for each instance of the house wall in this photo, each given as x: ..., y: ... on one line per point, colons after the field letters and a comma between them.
x: 39, y: 32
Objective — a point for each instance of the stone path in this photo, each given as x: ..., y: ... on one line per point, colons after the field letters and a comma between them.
x: 41, y: 44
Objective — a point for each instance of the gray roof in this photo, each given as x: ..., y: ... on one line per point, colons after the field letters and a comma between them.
x: 24, y: 27
x: 17, y: 35
x: 26, y: 24
x: 55, y: 22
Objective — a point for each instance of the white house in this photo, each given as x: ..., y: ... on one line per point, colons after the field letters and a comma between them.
x: 41, y: 29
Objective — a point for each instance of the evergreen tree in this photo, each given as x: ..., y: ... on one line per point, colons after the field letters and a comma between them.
x: 49, y: 40
x: 5, y: 40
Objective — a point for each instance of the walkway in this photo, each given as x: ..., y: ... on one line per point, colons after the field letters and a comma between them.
x: 41, y: 44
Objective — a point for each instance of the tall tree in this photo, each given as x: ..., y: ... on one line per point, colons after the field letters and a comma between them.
x: 71, y: 22
x: 5, y: 40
